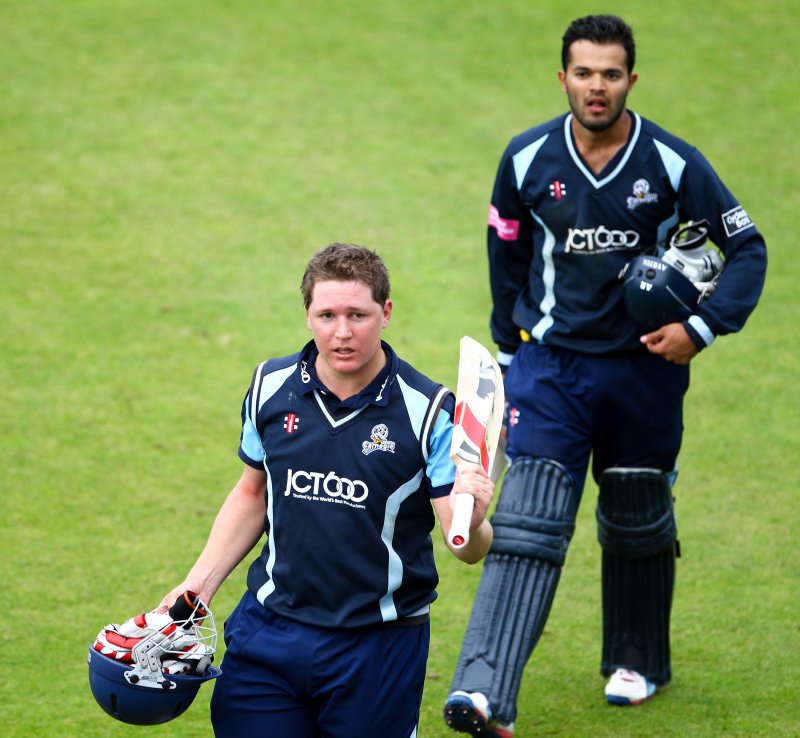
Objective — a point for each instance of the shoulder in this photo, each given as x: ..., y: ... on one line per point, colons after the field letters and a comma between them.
x: 651, y: 131
x: 522, y: 140
x: 272, y: 373
x: 282, y: 362
x: 416, y: 379
x: 275, y: 364
x: 422, y: 395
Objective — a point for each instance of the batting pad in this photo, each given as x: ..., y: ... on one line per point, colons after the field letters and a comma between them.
x: 533, y: 525
x: 637, y: 531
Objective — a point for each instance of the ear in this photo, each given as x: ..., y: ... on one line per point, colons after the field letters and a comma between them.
x: 387, y: 312
x: 308, y: 320
x: 562, y: 78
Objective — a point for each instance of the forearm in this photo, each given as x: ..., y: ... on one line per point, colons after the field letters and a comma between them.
x: 236, y: 529
x: 480, y: 539
x: 472, y: 480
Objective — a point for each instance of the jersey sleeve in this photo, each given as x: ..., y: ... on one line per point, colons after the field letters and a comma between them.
x: 509, y: 242
x: 251, y: 452
x: 440, y: 469
x: 702, y: 194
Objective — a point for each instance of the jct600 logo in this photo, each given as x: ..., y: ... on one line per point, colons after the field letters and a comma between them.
x: 303, y: 482
x: 601, y: 238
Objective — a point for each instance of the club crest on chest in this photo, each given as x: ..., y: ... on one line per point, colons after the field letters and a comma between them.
x: 379, y: 440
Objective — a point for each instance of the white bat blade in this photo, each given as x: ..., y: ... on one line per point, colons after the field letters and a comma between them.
x: 476, y: 429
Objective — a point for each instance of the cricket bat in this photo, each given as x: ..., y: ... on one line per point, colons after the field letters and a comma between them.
x: 480, y: 401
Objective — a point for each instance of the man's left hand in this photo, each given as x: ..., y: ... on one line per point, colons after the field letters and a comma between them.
x: 671, y: 342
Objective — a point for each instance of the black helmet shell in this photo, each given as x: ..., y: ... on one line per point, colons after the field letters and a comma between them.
x: 656, y: 293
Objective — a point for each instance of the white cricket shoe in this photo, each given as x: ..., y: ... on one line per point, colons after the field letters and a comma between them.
x: 470, y: 712
x: 628, y: 687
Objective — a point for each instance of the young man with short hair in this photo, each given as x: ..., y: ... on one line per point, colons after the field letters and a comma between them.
x: 575, y: 200
x: 346, y: 466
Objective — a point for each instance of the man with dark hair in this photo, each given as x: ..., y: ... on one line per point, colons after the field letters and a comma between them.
x: 346, y: 452
x: 603, y: 30
x: 576, y: 201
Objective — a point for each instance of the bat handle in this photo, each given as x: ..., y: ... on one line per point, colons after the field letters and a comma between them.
x: 187, y: 606
x: 458, y: 537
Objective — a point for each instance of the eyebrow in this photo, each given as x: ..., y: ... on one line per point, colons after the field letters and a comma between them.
x: 583, y: 68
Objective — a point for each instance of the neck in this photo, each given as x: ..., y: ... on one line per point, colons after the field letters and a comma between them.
x: 346, y: 385
x: 599, y: 147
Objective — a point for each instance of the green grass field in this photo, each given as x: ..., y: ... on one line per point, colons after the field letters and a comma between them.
x: 166, y: 168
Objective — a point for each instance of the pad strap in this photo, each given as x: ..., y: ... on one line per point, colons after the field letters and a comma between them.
x: 639, y: 541
x: 531, y: 537
x: 635, y: 513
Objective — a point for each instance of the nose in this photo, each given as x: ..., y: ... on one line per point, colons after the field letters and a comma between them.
x: 598, y: 82
x: 343, y: 329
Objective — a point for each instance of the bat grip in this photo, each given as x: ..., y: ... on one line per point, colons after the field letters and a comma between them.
x: 458, y: 537
x: 187, y: 606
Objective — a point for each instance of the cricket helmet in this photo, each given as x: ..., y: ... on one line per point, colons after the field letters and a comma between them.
x: 142, y: 703
x: 656, y: 293
x: 148, y: 670
x: 668, y: 289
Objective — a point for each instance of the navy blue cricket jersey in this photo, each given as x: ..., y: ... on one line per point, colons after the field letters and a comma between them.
x: 559, y: 236
x: 349, y: 488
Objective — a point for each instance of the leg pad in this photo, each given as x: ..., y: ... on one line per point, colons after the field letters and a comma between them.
x: 638, y: 535
x: 533, y: 525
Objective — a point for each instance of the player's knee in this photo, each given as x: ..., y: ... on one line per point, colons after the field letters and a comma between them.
x: 635, y: 514
x: 535, y: 515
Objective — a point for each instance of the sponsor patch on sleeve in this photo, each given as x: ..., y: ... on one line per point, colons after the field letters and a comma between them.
x: 736, y: 220
x: 506, y: 229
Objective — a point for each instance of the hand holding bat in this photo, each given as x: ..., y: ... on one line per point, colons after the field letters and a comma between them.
x: 480, y: 400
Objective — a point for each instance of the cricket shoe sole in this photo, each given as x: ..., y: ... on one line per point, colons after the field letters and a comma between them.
x: 469, y: 712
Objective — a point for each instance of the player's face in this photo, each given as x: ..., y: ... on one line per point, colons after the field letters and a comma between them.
x: 346, y: 324
x: 597, y: 83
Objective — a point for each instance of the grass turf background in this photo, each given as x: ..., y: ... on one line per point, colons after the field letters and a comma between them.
x: 165, y: 171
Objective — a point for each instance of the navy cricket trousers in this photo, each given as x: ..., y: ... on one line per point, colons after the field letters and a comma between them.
x: 281, y: 678
x: 622, y: 409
